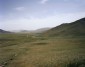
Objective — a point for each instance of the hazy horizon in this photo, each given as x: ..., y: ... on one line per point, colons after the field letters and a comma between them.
x: 35, y: 14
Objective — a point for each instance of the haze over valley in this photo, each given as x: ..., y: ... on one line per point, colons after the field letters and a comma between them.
x: 42, y: 33
x: 36, y: 14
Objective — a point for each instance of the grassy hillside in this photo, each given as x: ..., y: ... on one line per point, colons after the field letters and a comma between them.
x: 24, y: 50
x: 76, y: 28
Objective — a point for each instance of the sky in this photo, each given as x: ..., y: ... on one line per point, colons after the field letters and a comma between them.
x: 35, y: 14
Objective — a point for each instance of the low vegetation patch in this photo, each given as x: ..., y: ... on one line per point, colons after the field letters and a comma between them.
x: 40, y: 43
x: 78, y: 63
x: 18, y: 50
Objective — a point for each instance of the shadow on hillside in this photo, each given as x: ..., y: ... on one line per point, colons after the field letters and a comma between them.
x: 77, y: 64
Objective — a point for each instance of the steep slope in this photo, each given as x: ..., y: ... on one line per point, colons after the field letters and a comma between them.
x: 76, y: 28
x: 3, y: 31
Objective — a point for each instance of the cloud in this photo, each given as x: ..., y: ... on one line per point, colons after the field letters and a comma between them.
x: 43, y: 1
x: 33, y: 22
x: 66, y: 0
x: 19, y: 8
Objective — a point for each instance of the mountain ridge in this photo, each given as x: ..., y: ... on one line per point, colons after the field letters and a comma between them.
x: 3, y: 31
x: 76, y: 28
x: 41, y: 30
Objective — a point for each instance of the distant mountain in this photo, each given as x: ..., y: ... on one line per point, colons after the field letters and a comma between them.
x: 76, y: 28
x: 32, y: 31
x: 3, y: 31
x: 20, y: 31
x: 41, y: 30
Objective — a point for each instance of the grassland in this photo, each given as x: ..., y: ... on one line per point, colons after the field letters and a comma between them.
x: 24, y: 50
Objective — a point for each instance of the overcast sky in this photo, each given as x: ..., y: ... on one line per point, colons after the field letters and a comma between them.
x: 34, y: 14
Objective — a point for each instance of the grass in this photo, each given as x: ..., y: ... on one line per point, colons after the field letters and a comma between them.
x: 20, y: 50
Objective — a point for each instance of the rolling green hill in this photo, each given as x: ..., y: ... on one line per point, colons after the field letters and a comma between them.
x: 76, y: 28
